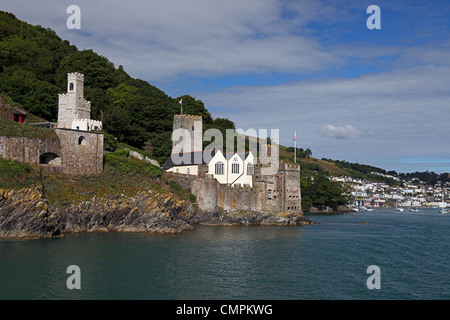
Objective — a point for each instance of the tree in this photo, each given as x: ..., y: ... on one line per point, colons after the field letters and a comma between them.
x: 148, y: 147
x: 322, y: 193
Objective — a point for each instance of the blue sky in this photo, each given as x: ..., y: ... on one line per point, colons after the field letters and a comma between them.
x: 379, y: 97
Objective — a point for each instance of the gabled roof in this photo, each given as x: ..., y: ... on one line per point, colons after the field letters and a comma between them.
x: 196, y: 158
x: 193, y: 158
x: 12, y: 109
x: 242, y: 155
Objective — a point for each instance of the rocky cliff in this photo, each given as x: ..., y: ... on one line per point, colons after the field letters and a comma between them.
x: 26, y: 213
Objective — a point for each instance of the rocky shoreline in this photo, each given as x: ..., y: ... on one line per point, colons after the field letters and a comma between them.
x: 27, y: 214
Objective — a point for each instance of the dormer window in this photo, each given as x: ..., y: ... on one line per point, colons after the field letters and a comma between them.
x: 71, y: 86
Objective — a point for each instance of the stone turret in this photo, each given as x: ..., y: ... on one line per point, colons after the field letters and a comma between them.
x: 194, y: 125
x: 72, y: 107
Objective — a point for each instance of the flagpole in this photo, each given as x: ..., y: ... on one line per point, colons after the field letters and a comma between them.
x: 295, y: 147
x: 181, y: 103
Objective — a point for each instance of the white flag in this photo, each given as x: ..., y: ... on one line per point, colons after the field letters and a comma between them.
x: 181, y: 101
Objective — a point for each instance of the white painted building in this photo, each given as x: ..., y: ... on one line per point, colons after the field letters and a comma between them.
x: 74, y: 112
x: 232, y: 169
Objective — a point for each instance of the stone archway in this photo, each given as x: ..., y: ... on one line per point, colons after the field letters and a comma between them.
x: 50, y: 158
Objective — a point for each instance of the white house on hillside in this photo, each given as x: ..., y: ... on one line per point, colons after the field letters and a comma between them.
x: 228, y: 168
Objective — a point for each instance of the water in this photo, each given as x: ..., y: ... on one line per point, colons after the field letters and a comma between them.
x: 323, y: 261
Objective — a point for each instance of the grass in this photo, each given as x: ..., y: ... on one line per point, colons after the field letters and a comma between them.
x: 15, y: 129
x: 17, y: 175
x: 123, y: 176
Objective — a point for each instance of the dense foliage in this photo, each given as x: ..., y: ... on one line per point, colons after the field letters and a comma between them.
x: 427, y: 177
x: 322, y: 193
x: 301, y: 153
x: 34, y: 63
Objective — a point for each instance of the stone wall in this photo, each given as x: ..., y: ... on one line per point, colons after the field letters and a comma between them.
x: 194, y: 125
x: 82, y: 151
x: 75, y: 152
x: 30, y: 150
x: 269, y: 194
x: 281, y: 191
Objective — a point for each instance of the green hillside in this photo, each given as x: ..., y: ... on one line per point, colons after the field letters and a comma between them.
x: 34, y: 62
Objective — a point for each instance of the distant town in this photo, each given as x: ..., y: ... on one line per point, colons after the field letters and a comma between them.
x: 407, y: 193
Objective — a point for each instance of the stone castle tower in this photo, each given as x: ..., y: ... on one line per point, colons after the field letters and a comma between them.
x: 74, y: 112
x: 194, y: 125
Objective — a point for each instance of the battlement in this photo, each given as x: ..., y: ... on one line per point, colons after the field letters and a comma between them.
x: 87, y: 125
x: 285, y: 166
x: 188, y: 116
x: 75, y: 76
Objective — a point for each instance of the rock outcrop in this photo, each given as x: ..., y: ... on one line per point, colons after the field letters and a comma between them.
x: 26, y: 213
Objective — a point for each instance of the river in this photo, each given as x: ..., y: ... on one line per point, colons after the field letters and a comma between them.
x: 327, y: 260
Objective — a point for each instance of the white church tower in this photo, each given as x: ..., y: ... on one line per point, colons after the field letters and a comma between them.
x: 74, y: 112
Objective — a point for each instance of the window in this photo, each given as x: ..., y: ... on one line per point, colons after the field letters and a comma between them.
x: 235, y: 166
x: 81, y: 141
x: 250, y: 169
x: 219, y: 168
x: 71, y: 87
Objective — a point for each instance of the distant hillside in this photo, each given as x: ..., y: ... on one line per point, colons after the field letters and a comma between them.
x: 311, y: 166
x: 34, y: 62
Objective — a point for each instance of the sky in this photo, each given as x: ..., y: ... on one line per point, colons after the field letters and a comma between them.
x: 373, y: 96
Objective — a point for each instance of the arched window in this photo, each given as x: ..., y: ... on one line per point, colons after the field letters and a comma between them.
x: 71, y: 86
x: 235, y: 166
x: 219, y: 168
x: 250, y: 169
x: 81, y: 141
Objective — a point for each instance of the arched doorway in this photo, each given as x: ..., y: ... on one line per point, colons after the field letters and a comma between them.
x: 50, y: 159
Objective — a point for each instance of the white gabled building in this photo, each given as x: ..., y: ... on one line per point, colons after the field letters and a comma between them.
x: 229, y: 168
x: 232, y: 169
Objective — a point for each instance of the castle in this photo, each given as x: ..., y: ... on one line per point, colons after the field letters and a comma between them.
x: 220, y: 181
x: 231, y: 181
x: 77, y: 146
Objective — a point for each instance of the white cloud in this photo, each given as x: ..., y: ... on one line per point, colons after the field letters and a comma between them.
x: 402, y: 104
x: 345, y: 132
x: 157, y: 40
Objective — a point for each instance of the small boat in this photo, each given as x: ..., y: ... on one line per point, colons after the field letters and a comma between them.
x: 413, y: 209
x: 399, y: 209
x: 366, y: 208
x: 443, y: 205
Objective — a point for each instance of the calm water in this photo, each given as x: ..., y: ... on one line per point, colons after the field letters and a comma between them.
x: 324, y: 261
